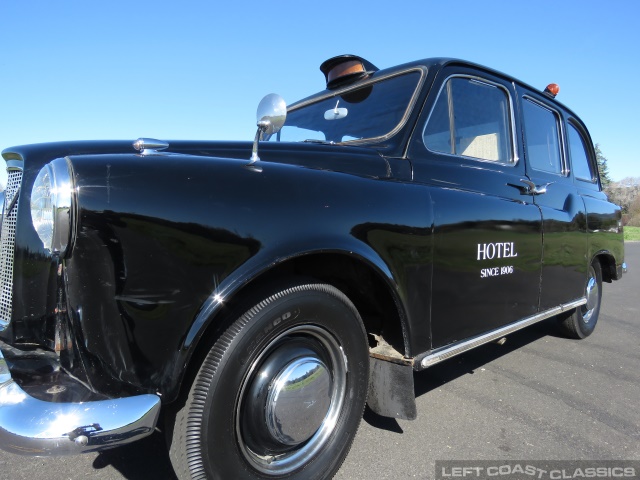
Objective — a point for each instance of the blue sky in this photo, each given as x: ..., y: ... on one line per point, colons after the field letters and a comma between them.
x: 196, y: 69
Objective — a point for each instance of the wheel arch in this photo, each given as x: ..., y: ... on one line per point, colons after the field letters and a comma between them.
x: 607, y: 265
x: 367, y: 283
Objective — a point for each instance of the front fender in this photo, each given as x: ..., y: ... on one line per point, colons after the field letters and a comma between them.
x: 160, y: 243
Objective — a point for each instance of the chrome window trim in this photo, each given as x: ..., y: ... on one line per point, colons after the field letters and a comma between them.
x: 403, y: 121
x: 564, y: 172
x: 515, y: 159
x: 433, y: 357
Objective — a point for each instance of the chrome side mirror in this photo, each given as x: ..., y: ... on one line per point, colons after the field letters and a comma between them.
x: 271, y: 115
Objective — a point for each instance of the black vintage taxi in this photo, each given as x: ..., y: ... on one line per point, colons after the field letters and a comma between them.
x: 258, y: 294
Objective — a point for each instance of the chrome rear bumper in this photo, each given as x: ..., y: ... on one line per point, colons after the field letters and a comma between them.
x: 29, y: 426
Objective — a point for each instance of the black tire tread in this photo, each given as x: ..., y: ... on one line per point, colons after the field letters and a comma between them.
x: 571, y: 325
x: 185, y: 451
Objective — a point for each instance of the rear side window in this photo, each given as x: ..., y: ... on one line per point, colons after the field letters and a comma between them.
x: 580, y: 164
x: 471, y: 118
x: 542, y: 137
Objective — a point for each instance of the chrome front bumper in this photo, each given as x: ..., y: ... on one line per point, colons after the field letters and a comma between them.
x: 29, y: 426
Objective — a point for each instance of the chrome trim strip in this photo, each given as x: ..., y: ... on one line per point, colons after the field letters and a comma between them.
x: 441, y: 354
x: 14, y: 164
x: 29, y: 426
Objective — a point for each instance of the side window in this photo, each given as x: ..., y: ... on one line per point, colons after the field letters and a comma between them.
x: 581, y: 165
x: 542, y: 137
x: 471, y: 118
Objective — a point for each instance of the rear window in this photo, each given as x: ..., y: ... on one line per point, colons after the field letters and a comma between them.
x: 542, y: 137
x: 580, y: 164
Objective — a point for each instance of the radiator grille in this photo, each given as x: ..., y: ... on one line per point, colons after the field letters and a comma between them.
x: 7, y: 245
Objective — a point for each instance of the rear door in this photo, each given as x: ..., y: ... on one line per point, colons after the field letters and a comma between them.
x: 563, y: 213
x: 487, y: 234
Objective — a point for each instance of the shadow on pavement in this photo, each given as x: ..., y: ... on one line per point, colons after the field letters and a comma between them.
x: 383, y: 423
x: 465, y: 364
x: 468, y: 362
x: 141, y: 460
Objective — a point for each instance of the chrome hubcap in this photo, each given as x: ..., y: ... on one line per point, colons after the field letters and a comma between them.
x: 592, y: 293
x: 291, y: 399
x: 298, y: 400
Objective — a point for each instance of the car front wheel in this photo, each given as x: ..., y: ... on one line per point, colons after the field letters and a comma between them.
x: 280, y: 393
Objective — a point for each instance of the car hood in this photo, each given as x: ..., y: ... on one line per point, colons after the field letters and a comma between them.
x: 366, y: 161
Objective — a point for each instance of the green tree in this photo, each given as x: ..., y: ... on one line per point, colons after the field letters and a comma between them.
x: 602, y: 167
x: 634, y: 213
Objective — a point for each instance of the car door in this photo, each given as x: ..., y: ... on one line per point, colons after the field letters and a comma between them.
x: 487, y: 234
x: 552, y: 189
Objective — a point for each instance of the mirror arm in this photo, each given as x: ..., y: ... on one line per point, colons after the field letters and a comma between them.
x: 271, y: 115
x: 254, y: 153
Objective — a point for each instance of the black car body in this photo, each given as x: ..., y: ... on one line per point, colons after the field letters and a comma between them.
x: 447, y: 203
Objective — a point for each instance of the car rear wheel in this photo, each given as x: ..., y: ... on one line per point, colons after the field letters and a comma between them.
x: 280, y: 393
x: 581, y: 323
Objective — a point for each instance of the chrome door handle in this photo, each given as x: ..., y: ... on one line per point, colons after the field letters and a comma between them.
x: 530, y: 188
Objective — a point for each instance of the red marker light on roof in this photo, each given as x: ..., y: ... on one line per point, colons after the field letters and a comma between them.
x: 552, y: 90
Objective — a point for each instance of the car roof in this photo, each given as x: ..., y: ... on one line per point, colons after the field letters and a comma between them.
x: 439, y: 63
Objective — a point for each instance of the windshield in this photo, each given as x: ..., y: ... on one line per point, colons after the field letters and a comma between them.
x: 367, y: 112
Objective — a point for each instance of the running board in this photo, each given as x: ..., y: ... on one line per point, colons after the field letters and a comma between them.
x: 441, y: 354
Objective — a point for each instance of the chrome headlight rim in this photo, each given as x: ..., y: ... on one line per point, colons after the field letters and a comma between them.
x: 61, y: 196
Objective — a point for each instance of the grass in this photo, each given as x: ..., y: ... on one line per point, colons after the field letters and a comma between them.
x: 632, y: 234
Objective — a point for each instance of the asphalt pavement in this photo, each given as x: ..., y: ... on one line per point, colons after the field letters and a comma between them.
x: 537, y: 397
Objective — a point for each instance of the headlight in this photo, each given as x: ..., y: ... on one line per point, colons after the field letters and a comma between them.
x: 52, y: 206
